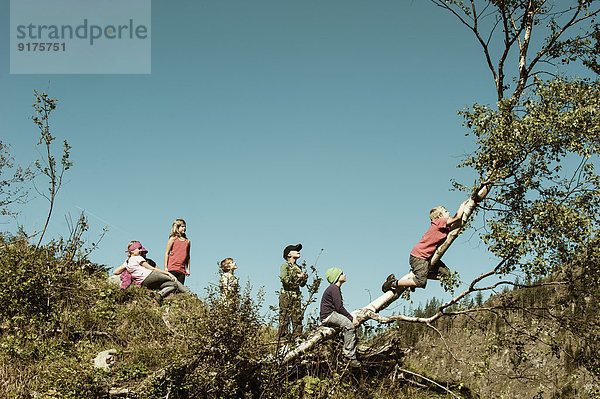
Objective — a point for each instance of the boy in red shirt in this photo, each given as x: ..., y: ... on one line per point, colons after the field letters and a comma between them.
x: 420, y: 256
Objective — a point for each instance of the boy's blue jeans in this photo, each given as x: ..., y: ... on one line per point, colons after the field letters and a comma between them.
x: 336, y: 319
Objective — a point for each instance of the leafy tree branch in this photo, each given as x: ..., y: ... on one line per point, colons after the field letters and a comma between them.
x: 48, y: 166
x: 12, y: 188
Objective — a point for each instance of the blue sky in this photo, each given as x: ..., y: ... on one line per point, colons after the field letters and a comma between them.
x: 263, y: 124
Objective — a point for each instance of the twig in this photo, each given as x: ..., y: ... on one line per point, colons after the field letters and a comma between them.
x: 168, y: 324
x: 445, y: 343
x: 431, y: 381
x: 339, y: 379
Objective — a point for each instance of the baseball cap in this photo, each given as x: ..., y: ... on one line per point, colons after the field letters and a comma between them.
x: 136, y: 245
x: 291, y: 248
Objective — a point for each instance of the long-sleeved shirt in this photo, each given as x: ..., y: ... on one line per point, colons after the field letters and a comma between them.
x: 332, y: 301
x: 289, y: 278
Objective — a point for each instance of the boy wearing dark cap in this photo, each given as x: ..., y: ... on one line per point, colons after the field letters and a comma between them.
x: 290, y: 298
x: 333, y: 313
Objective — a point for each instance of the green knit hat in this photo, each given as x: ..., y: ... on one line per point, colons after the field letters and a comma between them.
x: 332, y: 274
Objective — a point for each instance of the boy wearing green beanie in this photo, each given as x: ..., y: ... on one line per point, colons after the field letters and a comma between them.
x: 333, y: 313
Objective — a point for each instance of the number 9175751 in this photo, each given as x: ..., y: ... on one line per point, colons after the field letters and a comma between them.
x: 40, y: 47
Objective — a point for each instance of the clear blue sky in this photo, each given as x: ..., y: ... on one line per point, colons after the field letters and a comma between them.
x: 263, y: 124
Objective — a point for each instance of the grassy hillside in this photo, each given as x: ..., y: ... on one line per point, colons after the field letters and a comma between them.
x: 58, y: 314
x: 537, y: 342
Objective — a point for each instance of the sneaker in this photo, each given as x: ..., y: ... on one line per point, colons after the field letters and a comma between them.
x: 354, y: 363
x: 390, y: 284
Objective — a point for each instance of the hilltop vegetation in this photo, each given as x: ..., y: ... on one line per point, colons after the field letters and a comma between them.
x: 537, y: 342
x: 61, y: 314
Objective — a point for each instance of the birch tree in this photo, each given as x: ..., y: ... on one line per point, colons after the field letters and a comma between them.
x: 540, y: 211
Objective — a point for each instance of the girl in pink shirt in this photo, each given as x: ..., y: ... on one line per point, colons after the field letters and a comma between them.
x: 149, y: 276
x: 177, y: 254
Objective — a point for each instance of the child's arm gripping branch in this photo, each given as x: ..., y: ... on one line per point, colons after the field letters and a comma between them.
x: 168, y: 250
x: 456, y: 221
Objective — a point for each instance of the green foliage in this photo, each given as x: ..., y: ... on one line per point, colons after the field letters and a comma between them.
x: 541, y: 209
x: 218, y: 345
x: 580, y: 307
x: 66, y: 380
x: 312, y: 287
x: 43, y: 107
x: 584, y: 47
x: 536, y: 147
x: 12, y: 189
x: 34, y: 284
x: 189, y: 347
x: 451, y: 282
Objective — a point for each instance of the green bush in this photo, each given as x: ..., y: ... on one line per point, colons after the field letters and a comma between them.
x: 221, y: 342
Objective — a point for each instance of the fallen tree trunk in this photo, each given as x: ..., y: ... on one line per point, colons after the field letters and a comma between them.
x: 323, y: 333
x: 364, y: 313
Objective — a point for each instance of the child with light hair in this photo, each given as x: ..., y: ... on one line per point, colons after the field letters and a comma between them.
x: 177, y: 254
x: 228, y: 283
x: 420, y: 256
x: 146, y: 275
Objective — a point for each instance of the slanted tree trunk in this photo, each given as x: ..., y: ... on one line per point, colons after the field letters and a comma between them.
x: 322, y: 333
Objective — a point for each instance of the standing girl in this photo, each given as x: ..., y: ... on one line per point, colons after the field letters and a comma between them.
x: 177, y: 255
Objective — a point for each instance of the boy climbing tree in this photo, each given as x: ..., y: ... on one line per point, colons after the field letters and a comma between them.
x: 421, y: 267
